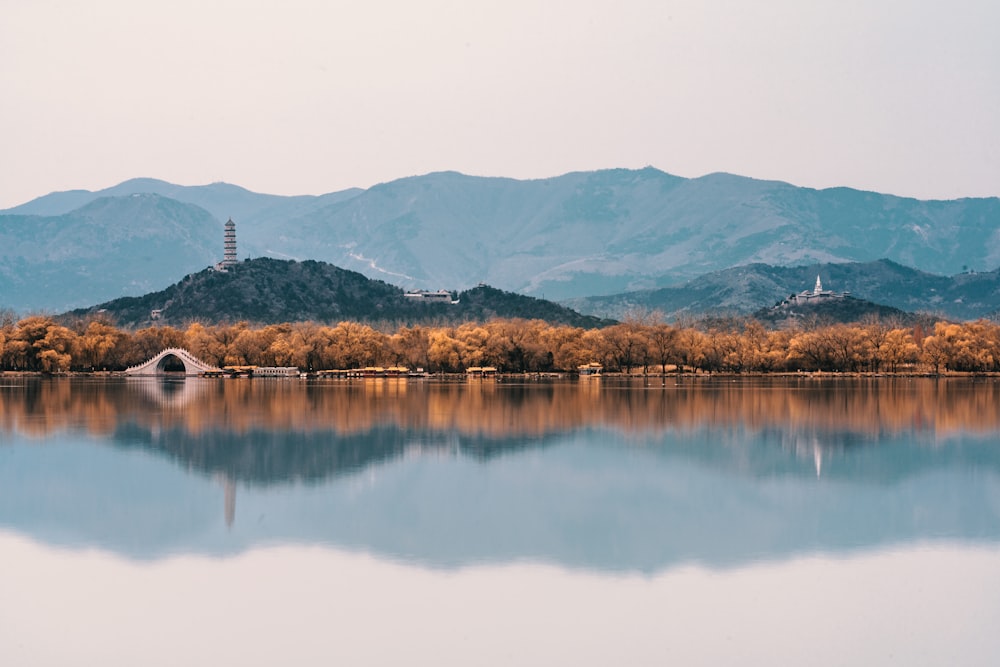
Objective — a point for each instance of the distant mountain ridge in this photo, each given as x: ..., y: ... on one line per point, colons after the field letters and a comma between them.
x: 222, y: 200
x: 109, y: 247
x: 580, y: 234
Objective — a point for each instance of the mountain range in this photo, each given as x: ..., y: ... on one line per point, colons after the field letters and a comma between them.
x: 580, y: 234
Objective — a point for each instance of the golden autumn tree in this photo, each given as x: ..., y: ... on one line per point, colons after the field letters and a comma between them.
x: 24, y: 345
x: 662, y: 344
x: 248, y: 348
x: 474, y: 343
x: 970, y: 347
x: 100, y: 345
x: 690, y: 346
x: 445, y: 352
x: 56, y: 349
x: 513, y: 344
x: 567, y: 347
x: 8, y: 321
x: 354, y: 345
x: 810, y: 350
x: 203, y: 344
x: 410, y: 347
x: 721, y: 350
x: 627, y: 345
x: 307, y: 342
x: 898, y: 348
x: 848, y: 345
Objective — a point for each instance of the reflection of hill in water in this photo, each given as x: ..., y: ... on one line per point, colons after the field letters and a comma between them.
x: 270, y: 457
x: 271, y: 432
x: 582, y: 501
x: 594, y: 476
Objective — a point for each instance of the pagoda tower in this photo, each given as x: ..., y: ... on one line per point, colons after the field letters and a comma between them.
x: 229, y: 258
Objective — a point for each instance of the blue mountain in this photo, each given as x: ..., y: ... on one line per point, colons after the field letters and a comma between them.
x: 580, y: 234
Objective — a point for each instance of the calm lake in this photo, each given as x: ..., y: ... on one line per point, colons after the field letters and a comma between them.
x: 592, y: 522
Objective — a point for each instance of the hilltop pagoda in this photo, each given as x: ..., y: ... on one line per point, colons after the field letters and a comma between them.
x: 229, y: 258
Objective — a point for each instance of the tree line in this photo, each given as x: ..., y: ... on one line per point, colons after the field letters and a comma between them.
x: 639, y: 344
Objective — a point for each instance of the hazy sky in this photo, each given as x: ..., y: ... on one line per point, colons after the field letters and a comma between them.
x: 296, y: 97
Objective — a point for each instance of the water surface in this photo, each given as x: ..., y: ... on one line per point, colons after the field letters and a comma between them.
x: 374, y: 522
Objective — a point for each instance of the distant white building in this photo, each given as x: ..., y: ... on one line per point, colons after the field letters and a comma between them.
x: 816, y: 295
x: 440, y: 296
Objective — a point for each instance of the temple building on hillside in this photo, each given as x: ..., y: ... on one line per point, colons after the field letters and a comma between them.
x: 818, y: 294
x: 441, y: 296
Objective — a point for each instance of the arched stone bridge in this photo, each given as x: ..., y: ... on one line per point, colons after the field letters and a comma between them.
x: 192, y: 365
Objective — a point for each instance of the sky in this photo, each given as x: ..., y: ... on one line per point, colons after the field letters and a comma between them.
x: 308, y: 97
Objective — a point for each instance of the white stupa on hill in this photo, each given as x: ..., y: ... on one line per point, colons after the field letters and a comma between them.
x: 818, y: 294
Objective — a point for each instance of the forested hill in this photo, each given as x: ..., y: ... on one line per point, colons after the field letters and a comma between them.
x: 742, y: 290
x: 845, y: 310
x: 268, y: 291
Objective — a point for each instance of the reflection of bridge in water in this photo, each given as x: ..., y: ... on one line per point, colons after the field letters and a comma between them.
x: 172, y: 393
x: 159, y: 363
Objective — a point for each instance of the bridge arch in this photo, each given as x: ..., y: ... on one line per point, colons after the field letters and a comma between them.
x: 155, y: 366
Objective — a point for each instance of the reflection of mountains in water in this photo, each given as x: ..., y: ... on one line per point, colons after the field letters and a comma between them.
x: 273, y: 432
x: 260, y: 457
x: 591, y: 499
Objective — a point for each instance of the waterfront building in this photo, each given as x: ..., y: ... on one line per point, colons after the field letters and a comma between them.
x: 276, y: 371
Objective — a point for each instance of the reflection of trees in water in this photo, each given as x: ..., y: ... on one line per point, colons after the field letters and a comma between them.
x: 498, y: 410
